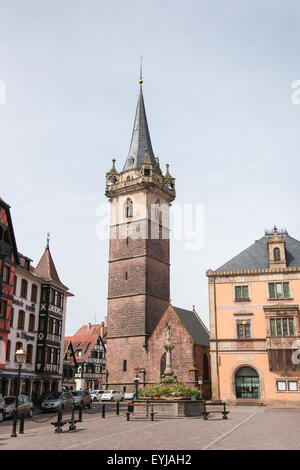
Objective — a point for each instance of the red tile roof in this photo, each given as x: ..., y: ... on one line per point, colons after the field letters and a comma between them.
x: 84, y: 340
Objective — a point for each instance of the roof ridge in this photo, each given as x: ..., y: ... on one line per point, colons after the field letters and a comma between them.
x: 202, y: 323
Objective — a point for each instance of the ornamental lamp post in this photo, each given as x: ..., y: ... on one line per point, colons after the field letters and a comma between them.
x: 20, y: 358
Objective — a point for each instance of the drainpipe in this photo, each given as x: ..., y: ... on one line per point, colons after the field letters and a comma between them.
x: 216, y: 336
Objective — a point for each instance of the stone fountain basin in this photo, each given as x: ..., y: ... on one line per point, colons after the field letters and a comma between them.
x: 169, y: 408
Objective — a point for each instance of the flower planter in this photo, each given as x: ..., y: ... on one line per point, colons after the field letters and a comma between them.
x: 167, y: 407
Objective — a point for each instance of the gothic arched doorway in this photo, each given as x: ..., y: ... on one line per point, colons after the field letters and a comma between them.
x: 247, y: 383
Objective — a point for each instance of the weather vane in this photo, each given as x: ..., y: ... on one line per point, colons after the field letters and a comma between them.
x: 141, y: 69
x: 48, y: 240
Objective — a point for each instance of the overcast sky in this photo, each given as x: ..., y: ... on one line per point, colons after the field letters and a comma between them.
x: 217, y: 87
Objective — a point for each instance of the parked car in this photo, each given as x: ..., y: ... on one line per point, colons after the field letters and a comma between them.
x: 2, y: 408
x: 25, y: 405
x: 96, y: 395
x: 111, y: 395
x: 82, y: 397
x: 58, y: 401
x: 129, y: 396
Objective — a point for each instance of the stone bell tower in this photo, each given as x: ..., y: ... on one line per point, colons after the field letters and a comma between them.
x: 139, y: 272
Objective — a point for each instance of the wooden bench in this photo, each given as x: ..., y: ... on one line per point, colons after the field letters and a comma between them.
x: 131, y: 406
x: 206, y: 412
x: 71, y: 420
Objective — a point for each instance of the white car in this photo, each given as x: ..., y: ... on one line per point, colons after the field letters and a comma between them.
x: 129, y: 396
x: 96, y: 395
x: 111, y: 395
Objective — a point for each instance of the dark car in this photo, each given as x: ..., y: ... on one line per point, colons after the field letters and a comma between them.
x: 2, y: 408
x: 57, y: 401
x: 82, y: 398
x: 25, y: 405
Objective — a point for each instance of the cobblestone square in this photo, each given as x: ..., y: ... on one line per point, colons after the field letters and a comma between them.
x: 247, y: 428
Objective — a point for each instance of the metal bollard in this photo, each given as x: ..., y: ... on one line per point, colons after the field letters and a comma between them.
x: 80, y: 413
x: 22, y: 420
x: 14, y: 430
x: 103, y: 410
x: 118, y: 408
x: 59, y: 418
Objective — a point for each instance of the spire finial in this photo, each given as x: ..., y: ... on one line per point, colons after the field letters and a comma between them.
x: 167, y: 175
x: 141, y: 70
x: 48, y: 240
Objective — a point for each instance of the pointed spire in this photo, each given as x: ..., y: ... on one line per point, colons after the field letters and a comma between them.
x: 169, y: 180
x: 113, y: 170
x: 46, y: 269
x: 140, y: 140
x: 167, y: 175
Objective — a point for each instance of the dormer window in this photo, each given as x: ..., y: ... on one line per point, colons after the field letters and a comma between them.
x: 276, y: 253
x: 276, y: 249
x: 27, y: 264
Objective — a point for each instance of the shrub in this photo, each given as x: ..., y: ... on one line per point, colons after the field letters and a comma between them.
x: 169, y: 387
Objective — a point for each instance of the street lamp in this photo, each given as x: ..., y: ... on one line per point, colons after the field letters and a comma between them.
x: 20, y: 358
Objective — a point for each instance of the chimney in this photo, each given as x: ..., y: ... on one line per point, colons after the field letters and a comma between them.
x: 89, y: 326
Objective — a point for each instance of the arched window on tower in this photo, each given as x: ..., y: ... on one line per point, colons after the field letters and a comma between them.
x: 128, y: 208
x: 276, y: 254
